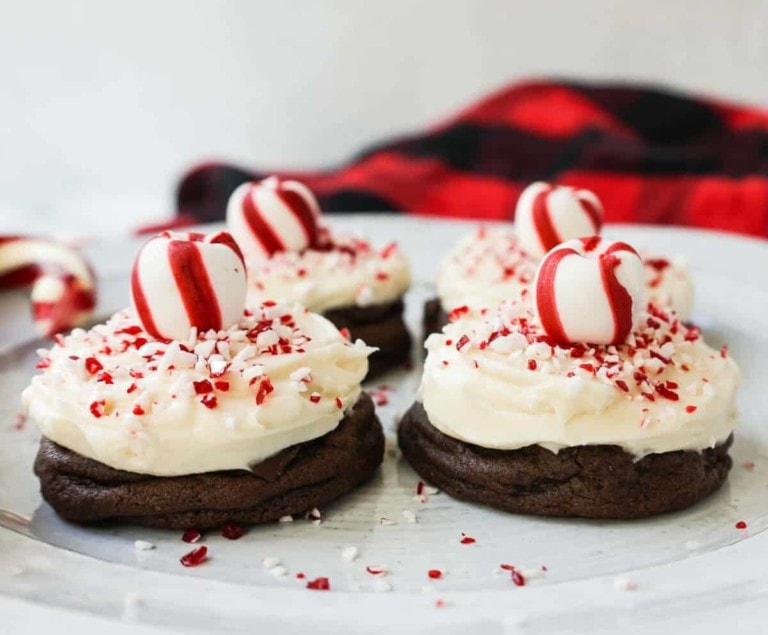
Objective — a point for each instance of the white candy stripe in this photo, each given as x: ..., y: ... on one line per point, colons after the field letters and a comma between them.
x: 238, y: 226
x: 280, y: 218
x: 160, y: 291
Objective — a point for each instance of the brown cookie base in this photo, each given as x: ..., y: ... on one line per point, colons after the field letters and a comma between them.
x: 435, y: 318
x: 301, y: 477
x: 600, y: 481
x: 380, y: 325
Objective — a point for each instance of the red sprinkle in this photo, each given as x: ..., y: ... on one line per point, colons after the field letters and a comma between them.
x: 420, y: 487
x: 191, y: 536
x: 345, y: 333
x: 435, y: 574
x: 517, y: 578
x: 666, y: 392
x: 97, y: 408
x: 319, y: 584
x: 380, y: 275
x: 375, y: 569
x: 231, y: 531
x: 622, y: 385
x: 132, y: 388
x: 223, y: 386
x: 339, y: 404
x: 195, y: 557
x: 265, y: 387
x: 138, y: 410
x: 457, y: 313
x: 105, y: 378
x: 209, y: 401
x: 300, y: 576
x: 314, y: 398
x: 463, y: 341
x: 532, y: 365
x: 93, y: 365
x: 741, y: 525
x: 724, y: 351
x: 690, y: 409
x: 467, y: 540
x: 202, y: 387
x: 44, y: 362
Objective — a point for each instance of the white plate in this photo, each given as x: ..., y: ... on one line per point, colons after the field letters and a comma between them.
x: 693, y: 562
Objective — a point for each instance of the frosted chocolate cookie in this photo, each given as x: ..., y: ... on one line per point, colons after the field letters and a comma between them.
x: 187, y: 410
x: 292, y: 256
x: 585, y: 401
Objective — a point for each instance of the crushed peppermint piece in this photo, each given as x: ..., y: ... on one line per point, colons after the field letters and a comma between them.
x: 231, y: 531
x: 350, y: 554
x: 279, y: 571
x: 191, y: 536
x: 741, y: 525
x: 434, y: 574
x: 285, y: 519
x: 195, y: 557
x: 319, y: 584
x: 270, y: 562
x: 467, y: 540
x: 621, y: 583
x: 376, y: 569
x: 143, y: 545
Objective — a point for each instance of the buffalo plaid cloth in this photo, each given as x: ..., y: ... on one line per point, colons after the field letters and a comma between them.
x: 652, y: 156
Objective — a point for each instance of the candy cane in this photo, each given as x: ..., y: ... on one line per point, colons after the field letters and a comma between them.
x: 273, y: 215
x: 589, y: 290
x: 180, y: 280
x: 63, y: 283
x: 548, y: 215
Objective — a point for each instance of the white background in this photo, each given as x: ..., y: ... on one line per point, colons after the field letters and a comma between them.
x: 104, y: 104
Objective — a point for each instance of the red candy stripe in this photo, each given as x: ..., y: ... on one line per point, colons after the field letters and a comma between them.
x: 545, y: 295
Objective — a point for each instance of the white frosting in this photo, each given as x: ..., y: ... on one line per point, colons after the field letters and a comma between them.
x: 351, y: 273
x: 490, y: 266
x: 518, y: 390
x: 153, y: 419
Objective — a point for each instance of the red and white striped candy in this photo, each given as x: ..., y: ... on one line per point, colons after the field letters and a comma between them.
x: 589, y: 290
x: 63, y: 284
x: 547, y: 215
x: 180, y: 280
x: 273, y: 215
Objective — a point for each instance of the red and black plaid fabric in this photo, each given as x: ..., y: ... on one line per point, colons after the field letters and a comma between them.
x: 651, y: 156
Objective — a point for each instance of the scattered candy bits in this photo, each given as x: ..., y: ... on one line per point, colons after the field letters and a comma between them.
x: 319, y: 584
x: 741, y: 525
x: 434, y: 574
x: 467, y: 540
x: 191, y: 536
x: 195, y: 557
x: 231, y: 531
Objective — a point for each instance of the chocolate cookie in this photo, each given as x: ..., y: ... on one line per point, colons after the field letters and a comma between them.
x: 435, y: 317
x: 600, y: 481
x: 379, y: 325
x: 301, y: 477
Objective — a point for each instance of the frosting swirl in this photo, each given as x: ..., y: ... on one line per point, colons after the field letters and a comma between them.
x: 215, y: 401
x: 490, y: 266
x: 341, y: 272
x: 502, y: 383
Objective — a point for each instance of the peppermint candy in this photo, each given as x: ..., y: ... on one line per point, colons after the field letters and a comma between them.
x: 273, y: 215
x: 63, y: 283
x: 589, y: 290
x: 547, y: 215
x: 184, y: 280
